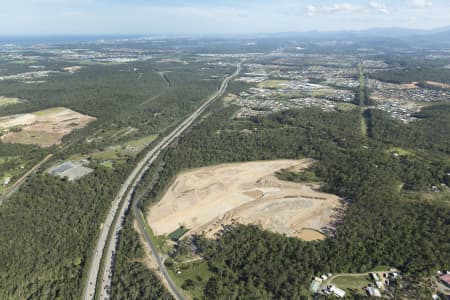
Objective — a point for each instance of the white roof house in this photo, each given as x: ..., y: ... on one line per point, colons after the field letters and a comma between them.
x: 379, y: 284
x: 375, y: 276
x: 373, y: 292
x: 336, y: 291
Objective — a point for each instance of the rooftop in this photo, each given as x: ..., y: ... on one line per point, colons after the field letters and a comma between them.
x: 445, y: 278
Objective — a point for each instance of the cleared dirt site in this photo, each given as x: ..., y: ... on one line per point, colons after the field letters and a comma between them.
x: 206, y: 199
x: 44, y: 128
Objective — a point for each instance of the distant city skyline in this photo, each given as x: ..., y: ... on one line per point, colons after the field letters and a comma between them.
x: 65, y: 17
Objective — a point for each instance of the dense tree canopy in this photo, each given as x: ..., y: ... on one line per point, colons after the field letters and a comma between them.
x: 383, y: 224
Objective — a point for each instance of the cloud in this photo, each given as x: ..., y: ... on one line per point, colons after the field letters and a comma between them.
x: 420, y: 3
x: 336, y: 8
x: 380, y: 7
x: 347, y: 8
x: 341, y: 8
x: 311, y: 10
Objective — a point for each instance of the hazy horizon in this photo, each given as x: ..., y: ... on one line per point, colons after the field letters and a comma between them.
x: 201, y: 17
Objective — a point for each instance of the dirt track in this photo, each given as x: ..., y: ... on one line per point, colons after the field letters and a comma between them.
x: 205, y: 199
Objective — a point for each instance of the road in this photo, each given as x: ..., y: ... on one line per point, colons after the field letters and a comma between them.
x: 120, y: 205
x: 15, y: 187
x: 177, y: 294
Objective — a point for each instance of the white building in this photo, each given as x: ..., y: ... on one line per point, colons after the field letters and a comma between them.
x: 373, y: 292
x: 331, y: 289
x: 375, y: 276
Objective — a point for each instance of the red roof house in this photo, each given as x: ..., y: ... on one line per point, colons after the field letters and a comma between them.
x: 445, y: 279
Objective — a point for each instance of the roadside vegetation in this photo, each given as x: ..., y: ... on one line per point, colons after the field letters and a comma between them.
x: 383, y: 225
x: 50, y: 225
x: 135, y: 281
x: 392, y: 175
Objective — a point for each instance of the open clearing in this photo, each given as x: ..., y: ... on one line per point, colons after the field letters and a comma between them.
x: 204, y: 200
x: 4, y: 101
x: 72, y: 170
x: 307, y: 234
x: 412, y: 85
x: 272, y: 84
x: 44, y: 128
x: 440, y: 85
x: 352, y: 283
x: 124, y: 150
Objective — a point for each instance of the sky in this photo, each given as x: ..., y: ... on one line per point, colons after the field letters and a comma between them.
x: 70, y: 17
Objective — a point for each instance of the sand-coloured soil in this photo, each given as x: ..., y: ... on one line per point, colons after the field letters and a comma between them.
x: 311, y: 235
x: 206, y: 199
x: 440, y: 85
x: 44, y: 128
x: 412, y: 85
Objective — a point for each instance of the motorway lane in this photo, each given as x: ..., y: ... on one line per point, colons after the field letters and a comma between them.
x: 89, y: 292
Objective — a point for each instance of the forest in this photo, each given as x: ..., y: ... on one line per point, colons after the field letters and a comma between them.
x: 52, y: 211
x: 386, y: 223
x: 133, y: 279
x: 414, y: 74
x: 49, y: 211
x: 382, y: 176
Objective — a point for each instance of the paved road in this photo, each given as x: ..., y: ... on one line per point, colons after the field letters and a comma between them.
x: 156, y: 257
x: 116, y: 215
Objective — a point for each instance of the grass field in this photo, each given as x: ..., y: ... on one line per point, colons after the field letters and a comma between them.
x: 127, y: 149
x: 321, y: 93
x: 345, y: 106
x: 352, y: 284
x: 136, y: 146
x: 197, y: 273
x: 110, y: 154
x: 362, y: 86
x: 381, y: 268
x: 4, y: 101
x: 49, y: 111
x: 272, y: 84
x: 363, y: 125
x: 160, y: 242
x: 178, y: 233
x: 107, y: 164
x: 443, y: 196
x: 400, y: 151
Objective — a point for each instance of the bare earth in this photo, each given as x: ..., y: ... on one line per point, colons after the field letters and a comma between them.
x: 9, y: 101
x: 438, y: 84
x: 412, y: 85
x: 44, y: 128
x: 206, y: 199
x: 311, y: 235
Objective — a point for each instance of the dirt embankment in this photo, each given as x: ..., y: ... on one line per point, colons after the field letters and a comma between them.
x: 206, y: 199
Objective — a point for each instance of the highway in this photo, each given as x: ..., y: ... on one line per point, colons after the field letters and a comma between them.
x: 115, y: 218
